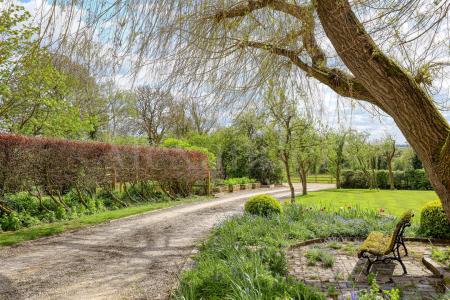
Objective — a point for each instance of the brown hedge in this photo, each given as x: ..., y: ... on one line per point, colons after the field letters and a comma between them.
x: 55, y: 166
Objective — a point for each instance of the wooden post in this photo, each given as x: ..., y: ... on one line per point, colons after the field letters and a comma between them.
x: 208, y: 184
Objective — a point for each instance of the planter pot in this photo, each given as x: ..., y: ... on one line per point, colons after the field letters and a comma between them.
x: 246, y: 186
x: 219, y: 189
x: 256, y: 185
x: 234, y: 188
x: 268, y: 186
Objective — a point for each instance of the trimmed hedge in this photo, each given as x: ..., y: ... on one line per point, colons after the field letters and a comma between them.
x: 263, y: 205
x: 56, y: 166
x: 403, y: 180
x: 433, y: 221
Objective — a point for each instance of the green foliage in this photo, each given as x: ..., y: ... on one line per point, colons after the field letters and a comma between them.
x: 442, y: 256
x: 375, y: 293
x: 11, y: 221
x: 263, y: 205
x: 404, y: 180
x: 183, y: 144
x: 232, y: 181
x: 33, y: 92
x: 433, y: 221
x: 315, y: 255
x: 265, y: 169
x: 28, y: 210
x: 243, y: 258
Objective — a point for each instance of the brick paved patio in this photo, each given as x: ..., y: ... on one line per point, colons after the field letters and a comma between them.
x: 347, y: 274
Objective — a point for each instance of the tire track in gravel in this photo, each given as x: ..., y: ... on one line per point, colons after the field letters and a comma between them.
x: 137, y: 257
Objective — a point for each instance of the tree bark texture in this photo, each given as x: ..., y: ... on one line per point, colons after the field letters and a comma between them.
x: 395, y: 91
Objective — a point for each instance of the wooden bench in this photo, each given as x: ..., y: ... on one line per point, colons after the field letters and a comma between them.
x: 380, y: 247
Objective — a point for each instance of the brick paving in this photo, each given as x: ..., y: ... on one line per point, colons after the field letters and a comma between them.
x: 347, y: 274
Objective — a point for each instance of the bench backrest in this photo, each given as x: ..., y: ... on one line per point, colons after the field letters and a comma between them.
x: 404, y: 222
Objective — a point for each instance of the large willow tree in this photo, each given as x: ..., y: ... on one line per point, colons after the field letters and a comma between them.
x: 388, y: 54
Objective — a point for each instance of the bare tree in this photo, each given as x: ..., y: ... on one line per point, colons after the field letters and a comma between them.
x: 153, y: 108
x: 204, y: 115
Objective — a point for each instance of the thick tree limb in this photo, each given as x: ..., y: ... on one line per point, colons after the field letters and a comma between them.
x: 342, y: 83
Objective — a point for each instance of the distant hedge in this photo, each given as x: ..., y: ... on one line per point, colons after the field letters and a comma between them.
x: 403, y: 180
x: 55, y: 166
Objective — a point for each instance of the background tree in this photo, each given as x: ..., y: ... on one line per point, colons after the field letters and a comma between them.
x: 389, y: 150
x: 307, y: 154
x: 363, y: 156
x: 335, y: 153
x: 283, y: 112
x: 153, y: 108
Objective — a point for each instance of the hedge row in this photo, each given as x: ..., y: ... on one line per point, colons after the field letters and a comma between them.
x: 403, y: 180
x: 54, y: 166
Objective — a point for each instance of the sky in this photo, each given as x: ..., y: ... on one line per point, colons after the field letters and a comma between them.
x: 348, y: 115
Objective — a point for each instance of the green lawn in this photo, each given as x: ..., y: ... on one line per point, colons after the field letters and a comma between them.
x: 31, y: 233
x: 393, y: 202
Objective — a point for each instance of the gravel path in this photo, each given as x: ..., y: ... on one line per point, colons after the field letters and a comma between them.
x: 132, y: 258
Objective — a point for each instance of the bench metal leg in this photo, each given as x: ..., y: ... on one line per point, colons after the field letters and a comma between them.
x: 385, y: 260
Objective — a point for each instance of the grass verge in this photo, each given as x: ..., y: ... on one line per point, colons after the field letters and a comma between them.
x: 31, y: 233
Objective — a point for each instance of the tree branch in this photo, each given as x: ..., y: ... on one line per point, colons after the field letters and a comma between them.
x: 303, y: 13
x: 342, y: 83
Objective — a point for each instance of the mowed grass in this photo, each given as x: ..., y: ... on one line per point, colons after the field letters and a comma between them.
x: 393, y: 202
x: 31, y: 233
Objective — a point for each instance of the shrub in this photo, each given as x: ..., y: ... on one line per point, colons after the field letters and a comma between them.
x: 265, y: 170
x: 86, y: 165
x: 10, y: 222
x: 263, y: 205
x: 442, y: 256
x: 433, y: 221
x: 238, y: 180
x: 404, y: 180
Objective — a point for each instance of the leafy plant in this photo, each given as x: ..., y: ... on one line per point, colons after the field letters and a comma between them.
x: 243, y: 258
x: 442, y: 256
x: 315, y: 255
x: 433, y: 221
x: 375, y: 293
x: 263, y: 205
x: 240, y: 180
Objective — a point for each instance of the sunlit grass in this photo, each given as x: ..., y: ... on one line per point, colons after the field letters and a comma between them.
x: 392, y: 202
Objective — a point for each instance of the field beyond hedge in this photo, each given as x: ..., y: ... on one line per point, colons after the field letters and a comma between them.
x: 393, y: 202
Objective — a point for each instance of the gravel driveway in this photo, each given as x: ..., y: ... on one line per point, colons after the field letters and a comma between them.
x: 137, y: 257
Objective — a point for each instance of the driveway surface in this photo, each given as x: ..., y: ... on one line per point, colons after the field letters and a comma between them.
x: 137, y: 257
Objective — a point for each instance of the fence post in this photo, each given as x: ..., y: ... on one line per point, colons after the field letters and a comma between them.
x: 208, y: 184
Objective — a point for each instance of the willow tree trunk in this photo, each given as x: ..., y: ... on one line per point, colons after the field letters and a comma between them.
x: 395, y: 91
